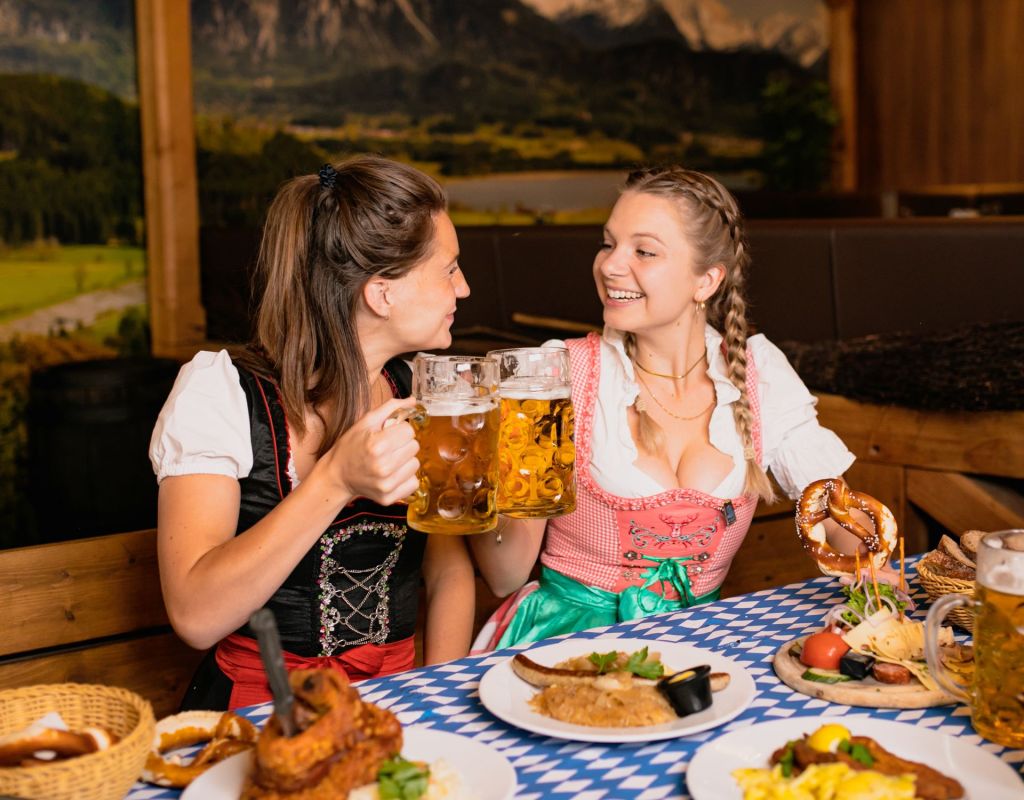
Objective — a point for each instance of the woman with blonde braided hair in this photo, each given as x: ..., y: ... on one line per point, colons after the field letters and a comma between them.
x: 678, y: 415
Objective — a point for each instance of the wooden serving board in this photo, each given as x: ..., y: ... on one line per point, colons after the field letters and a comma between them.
x: 867, y: 692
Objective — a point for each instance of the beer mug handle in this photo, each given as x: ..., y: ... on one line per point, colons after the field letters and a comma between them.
x: 414, y: 414
x: 936, y: 615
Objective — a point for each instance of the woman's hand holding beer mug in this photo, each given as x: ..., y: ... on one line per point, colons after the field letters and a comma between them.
x: 996, y: 693
x: 376, y: 458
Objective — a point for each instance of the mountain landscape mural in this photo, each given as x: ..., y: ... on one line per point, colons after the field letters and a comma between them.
x: 460, y: 87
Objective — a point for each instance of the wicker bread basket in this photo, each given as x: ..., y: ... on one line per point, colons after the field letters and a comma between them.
x: 936, y: 585
x: 106, y: 775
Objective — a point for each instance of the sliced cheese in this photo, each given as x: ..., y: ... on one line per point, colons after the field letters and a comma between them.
x: 885, y: 637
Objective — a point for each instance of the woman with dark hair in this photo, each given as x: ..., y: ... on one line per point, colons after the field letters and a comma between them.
x: 678, y: 415
x: 280, y: 477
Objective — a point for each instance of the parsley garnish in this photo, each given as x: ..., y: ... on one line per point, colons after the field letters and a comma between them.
x: 637, y: 663
x: 603, y: 661
x: 400, y: 779
x: 641, y: 667
x: 786, y: 760
x: 857, y: 752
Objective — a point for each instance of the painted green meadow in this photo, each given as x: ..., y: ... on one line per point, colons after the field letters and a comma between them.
x: 39, y: 275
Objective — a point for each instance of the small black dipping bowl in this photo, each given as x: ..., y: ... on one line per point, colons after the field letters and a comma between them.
x: 688, y: 691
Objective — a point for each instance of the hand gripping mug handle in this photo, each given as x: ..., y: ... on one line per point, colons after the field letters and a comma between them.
x: 936, y: 614
x: 413, y: 414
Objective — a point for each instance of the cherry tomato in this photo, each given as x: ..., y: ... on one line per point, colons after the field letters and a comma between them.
x: 823, y: 650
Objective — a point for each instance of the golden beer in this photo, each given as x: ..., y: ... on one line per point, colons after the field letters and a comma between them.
x: 456, y: 423
x: 997, y: 711
x: 996, y: 693
x: 536, y: 454
x: 458, y: 469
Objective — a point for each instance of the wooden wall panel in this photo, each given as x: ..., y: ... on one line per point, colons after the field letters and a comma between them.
x: 156, y: 667
x: 71, y: 592
x: 938, y: 96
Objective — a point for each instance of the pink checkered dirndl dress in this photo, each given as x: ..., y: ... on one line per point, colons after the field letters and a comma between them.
x: 612, y: 543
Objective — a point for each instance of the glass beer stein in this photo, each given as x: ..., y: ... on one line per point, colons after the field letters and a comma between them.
x: 456, y: 422
x: 536, y: 455
x: 996, y: 693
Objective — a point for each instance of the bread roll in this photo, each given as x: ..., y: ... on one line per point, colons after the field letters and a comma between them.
x: 948, y: 566
x: 952, y: 549
x: 969, y: 541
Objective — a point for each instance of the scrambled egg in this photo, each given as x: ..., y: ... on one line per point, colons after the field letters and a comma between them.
x: 823, y: 782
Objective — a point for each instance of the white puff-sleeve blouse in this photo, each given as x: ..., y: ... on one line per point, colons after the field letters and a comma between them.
x: 795, y: 447
x: 203, y: 427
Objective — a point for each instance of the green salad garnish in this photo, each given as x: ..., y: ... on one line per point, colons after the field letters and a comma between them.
x: 857, y: 752
x: 637, y: 663
x: 858, y: 599
x: 401, y: 779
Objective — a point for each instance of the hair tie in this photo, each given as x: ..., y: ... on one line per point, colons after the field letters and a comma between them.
x: 328, y: 176
x: 748, y: 454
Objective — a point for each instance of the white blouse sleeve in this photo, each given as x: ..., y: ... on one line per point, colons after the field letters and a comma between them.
x: 203, y: 427
x: 797, y: 449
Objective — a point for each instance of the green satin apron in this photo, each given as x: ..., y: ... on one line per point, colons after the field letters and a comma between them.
x: 563, y: 605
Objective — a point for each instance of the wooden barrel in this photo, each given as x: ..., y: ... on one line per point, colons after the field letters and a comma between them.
x: 89, y: 425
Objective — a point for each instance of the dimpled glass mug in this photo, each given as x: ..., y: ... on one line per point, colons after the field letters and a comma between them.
x: 536, y: 455
x: 996, y: 693
x: 456, y: 421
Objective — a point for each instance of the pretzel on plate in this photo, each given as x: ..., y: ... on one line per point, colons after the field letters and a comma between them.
x: 831, y: 498
x: 226, y: 733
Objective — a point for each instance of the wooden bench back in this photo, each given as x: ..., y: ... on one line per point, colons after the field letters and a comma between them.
x: 91, y: 611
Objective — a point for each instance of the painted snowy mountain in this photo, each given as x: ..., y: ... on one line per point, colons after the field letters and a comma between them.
x: 702, y: 24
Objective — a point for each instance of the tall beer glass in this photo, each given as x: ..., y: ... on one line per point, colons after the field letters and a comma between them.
x: 456, y: 422
x: 996, y: 693
x: 536, y: 455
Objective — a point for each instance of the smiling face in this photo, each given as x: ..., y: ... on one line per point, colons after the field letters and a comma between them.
x: 423, y: 300
x: 645, y: 269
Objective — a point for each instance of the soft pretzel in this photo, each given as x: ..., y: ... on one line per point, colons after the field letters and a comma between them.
x: 226, y: 733
x: 832, y: 498
x: 28, y: 747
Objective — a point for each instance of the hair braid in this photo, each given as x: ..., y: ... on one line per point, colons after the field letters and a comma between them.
x: 735, y: 334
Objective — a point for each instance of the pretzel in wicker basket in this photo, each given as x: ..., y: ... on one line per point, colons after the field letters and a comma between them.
x: 42, y: 745
x: 105, y: 774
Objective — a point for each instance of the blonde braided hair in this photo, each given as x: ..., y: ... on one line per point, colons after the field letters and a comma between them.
x: 714, y: 228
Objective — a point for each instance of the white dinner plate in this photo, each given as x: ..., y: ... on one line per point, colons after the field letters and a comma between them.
x: 507, y: 696
x: 485, y: 772
x: 983, y: 775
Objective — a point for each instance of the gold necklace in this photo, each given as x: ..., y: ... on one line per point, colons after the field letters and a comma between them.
x: 673, y: 377
x: 639, y: 406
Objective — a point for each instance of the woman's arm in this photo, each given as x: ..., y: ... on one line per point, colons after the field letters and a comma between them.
x: 451, y: 599
x: 506, y: 564
x: 213, y: 580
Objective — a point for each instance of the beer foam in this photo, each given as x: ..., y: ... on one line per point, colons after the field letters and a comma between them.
x: 458, y: 407
x: 534, y: 389
x: 1001, y: 563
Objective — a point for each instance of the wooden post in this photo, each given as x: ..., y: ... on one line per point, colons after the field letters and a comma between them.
x: 842, y: 74
x: 163, y: 35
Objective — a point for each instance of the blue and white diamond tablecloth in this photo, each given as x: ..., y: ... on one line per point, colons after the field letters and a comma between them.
x: 748, y: 629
